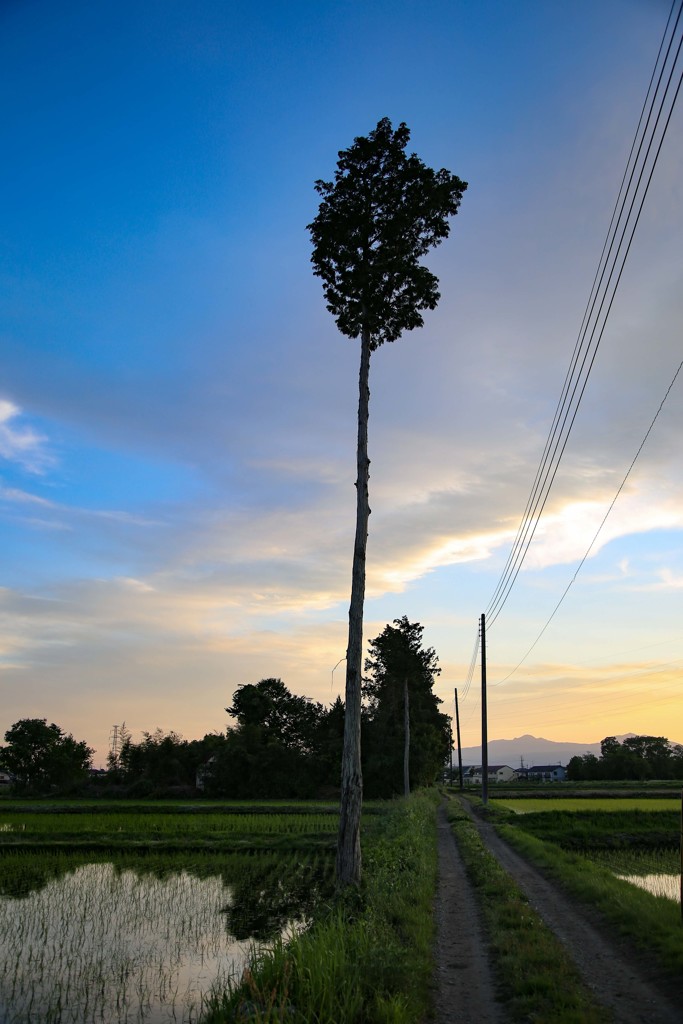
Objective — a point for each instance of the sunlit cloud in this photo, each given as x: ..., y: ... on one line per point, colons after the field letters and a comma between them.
x: 668, y: 580
x: 565, y: 534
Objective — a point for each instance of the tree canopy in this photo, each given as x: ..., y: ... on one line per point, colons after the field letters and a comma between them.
x: 274, y: 748
x: 397, y: 658
x: 382, y: 213
x: 43, y: 757
x: 634, y: 757
x: 282, y: 717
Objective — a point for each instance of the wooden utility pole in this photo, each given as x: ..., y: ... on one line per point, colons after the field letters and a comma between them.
x: 484, y: 721
x: 406, y: 739
x: 457, y: 730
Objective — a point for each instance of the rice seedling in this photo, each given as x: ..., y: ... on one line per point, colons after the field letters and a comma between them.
x: 139, y: 939
x: 122, y: 829
x: 633, y: 861
x: 656, y: 871
x: 369, y: 958
x: 166, y: 824
x: 590, y: 830
x: 527, y: 805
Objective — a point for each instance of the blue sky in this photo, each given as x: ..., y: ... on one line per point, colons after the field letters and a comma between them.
x: 177, y: 410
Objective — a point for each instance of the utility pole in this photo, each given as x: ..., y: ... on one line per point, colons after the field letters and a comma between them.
x: 484, y: 721
x: 457, y: 730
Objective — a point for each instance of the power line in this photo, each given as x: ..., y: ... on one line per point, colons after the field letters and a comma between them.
x: 473, y: 665
x: 599, y: 529
x: 600, y: 301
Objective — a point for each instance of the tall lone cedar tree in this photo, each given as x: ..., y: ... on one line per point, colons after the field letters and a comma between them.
x: 382, y: 213
x: 408, y: 738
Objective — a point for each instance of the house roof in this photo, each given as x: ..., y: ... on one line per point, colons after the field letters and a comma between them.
x: 545, y: 768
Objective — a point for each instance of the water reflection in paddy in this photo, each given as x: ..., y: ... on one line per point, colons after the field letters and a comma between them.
x: 659, y: 885
x: 106, y: 945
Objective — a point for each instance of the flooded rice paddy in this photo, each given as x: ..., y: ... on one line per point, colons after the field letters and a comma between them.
x: 655, y: 871
x: 114, y: 944
x: 668, y: 886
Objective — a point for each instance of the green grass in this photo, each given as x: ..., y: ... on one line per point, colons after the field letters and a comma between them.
x: 607, y: 788
x: 539, y: 982
x: 649, y: 921
x: 592, y: 830
x: 135, y: 824
x: 632, y: 861
x: 368, y: 960
x: 86, y: 805
x: 160, y: 821
x: 524, y: 805
x: 22, y: 873
x: 155, y: 827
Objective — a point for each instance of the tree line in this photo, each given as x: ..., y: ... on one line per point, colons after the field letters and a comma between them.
x: 279, y: 745
x: 636, y: 758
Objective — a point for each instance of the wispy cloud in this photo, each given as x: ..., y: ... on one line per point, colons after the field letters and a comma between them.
x: 63, y: 513
x: 20, y: 443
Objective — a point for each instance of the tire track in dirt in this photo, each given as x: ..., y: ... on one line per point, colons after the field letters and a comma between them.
x: 616, y: 975
x: 463, y: 978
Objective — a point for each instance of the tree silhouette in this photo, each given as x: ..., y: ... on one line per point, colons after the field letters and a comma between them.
x: 381, y: 214
x: 43, y: 757
x: 418, y: 743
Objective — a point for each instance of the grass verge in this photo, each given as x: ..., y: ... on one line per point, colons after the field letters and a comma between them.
x: 539, y: 982
x: 593, y: 829
x: 368, y: 958
x: 651, y: 922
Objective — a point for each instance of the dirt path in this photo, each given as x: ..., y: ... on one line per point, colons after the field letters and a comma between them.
x: 463, y: 978
x: 613, y: 973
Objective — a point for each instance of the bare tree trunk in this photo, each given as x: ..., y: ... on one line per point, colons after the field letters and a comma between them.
x: 406, y: 739
x: 348, y: 840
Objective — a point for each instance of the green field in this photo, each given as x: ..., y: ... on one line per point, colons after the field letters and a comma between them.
x: 109, y: 907
x: 218, y: 827
x: 527, y: 805
x: 594, y: 824
x: 122, y: 823
x: 105, y: 907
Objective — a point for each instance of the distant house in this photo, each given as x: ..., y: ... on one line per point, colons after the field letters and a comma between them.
x: 496, y: 773
x: 466, y: 769
x: 5, y: 780
x: 545, y: 773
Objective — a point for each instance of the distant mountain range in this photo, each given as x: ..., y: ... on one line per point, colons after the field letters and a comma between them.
x: 531, y: 750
